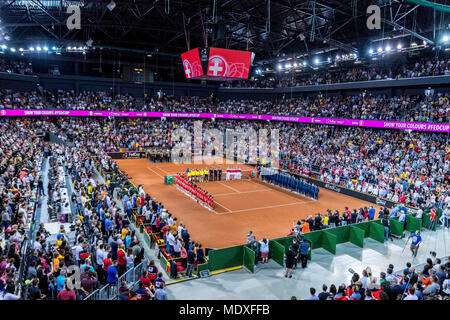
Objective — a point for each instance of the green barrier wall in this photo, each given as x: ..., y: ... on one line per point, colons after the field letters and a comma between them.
x: 396, y: 227
x: 364, y: 226
x: 285, y: 242
x: 276, y: 252
x: 356, y: 236
x: 412, y: 223
x: 315, y: 239
x: 329, y: 242
x: 225, y: 258
x: 377, y: 231
x: 426, y: 221
x: 249, y: 259
x: 203, y: 266
x: 342, y: 233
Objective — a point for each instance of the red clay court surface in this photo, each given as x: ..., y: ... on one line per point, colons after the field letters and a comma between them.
x: 241, y: 205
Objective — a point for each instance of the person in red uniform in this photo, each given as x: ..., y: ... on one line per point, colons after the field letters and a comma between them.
x: 121, y: 259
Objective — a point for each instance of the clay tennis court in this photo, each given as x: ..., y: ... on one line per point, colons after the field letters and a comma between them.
x: 240, y: 205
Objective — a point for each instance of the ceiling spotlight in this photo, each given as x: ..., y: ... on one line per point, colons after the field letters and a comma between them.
x: 13, y: 50
x: 53, y: 48
x: 38, y: 48
x: 3, y: 46
x: 304, y: 63
x: 388, y: 48
x: 316, y: 61
x: 69, y: 48
x: 424, y: 43
x: 445, y: 38
x: 380, y: 50
x: 399, y: 46
x: 111, y: 5
x: 280, y: 67
x: 45, y: 48
x: 295, y: 64
x: 31, y: 49
x: 371, y: 51
x: 413, y: 44
x: 21, y: 49
x: 288, y: 65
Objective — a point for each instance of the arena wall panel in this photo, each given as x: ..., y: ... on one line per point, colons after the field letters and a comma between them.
x: 276, y: 252
x: 226, y: 258
x: 396, y: 227
x: 376, y: 231
x: 249, y: 259
x: 342, y: 233
x: 316, y: 239
x: 413, y: 223
x: 329, y: 242
x: 356, y: 236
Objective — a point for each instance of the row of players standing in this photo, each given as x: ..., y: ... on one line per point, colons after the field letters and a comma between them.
x: 293, y: 184
x: 203, y: 175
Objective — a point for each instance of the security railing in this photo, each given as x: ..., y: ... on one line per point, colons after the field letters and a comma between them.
x: 111, y: 291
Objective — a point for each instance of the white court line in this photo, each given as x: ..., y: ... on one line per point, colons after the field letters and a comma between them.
x: 155, y: 172
x: 229, y: 211
x: 229, y: 187
x: 278, y: 191
x: 234, y: 193
x: 269, y: 207
x: 163, y: 170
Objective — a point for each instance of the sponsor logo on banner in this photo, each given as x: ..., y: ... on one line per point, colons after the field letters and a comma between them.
x: 131, y: 155
x: 380, y: 202
x: 332, y: 187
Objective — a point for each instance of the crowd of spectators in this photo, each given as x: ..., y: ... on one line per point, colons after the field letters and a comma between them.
x: 434, y: 107
x: 15, y: 66
x: 19, y: 170
x: 311, y: 77
x: 430, y: 282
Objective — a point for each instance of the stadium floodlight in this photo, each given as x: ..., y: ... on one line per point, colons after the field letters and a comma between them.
x: 329, y: 59
x: 13, y: 50
x: 287, y: 65
x: 21, y: 49
x: 380, y: 49
x: 280, y: 67
x: 388, y: 48
x: 413, y: 44
x: 69, y: 48
x: 45, y: 48
x: 445, y: 38
x: 38, y: 48
x: 304, y: 63
x: 80, y: 48
x: 4, y: 46
x: 399, y: 46
x: 53, y: 48
x: 295, y: 64
x: 316, y: 61
x: 371, y: 51
x: 111, y: 5
x: 31, y: 49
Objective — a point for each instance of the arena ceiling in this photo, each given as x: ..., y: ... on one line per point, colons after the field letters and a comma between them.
x: 270, y: 28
